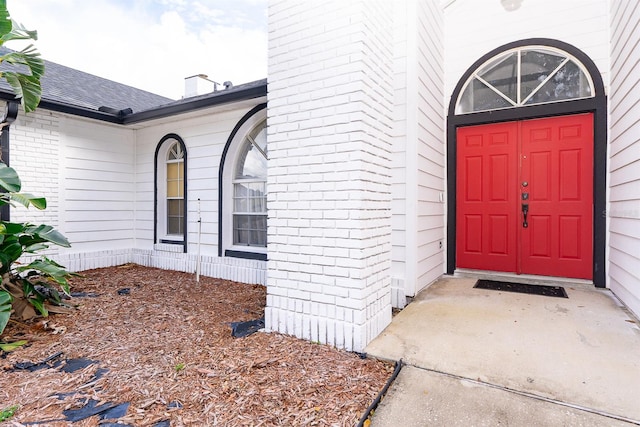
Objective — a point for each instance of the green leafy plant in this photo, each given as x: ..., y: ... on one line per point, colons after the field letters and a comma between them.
x: 179, y: 367
x: 27, y: 67
x: 39, y: 286
x: 9, y: 412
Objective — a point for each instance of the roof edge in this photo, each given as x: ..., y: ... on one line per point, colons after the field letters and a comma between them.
x: 220, y: 98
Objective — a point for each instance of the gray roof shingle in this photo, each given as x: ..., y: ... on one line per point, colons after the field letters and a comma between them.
x: 70, y: 86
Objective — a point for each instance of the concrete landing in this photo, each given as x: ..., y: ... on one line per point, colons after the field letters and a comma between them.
x: 582, y: 352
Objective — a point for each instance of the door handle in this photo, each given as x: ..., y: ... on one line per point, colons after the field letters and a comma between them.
x: 525, y: 211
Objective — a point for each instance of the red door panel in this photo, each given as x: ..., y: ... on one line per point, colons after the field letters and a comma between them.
x: 551, y: 160
x: 557, y: 162
x: 487, y: 191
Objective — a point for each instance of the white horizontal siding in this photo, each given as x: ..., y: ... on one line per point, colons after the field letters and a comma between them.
x: 431, y: 144
x: 97, y: 184
x: 419, y: 144
x: 205, y: 138
x: 624, y: 152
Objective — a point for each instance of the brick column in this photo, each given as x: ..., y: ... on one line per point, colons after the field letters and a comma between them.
x: 329, y: 124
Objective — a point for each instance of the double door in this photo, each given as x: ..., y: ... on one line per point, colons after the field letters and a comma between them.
x: 525, y: 197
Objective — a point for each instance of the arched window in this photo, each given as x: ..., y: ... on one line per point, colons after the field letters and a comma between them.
x: 250, y: 190
x: 525, y: 76
x: 171, y: 190
x: 243, y: 189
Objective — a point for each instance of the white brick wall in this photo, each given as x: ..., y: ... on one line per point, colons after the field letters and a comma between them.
x: 34, y: 154
x: 329, y: 142
x: 237, y: 270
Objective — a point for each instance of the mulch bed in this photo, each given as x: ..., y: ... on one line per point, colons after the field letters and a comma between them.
x: 165, y: 347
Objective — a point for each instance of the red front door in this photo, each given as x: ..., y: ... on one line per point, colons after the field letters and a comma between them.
x: 543, y: 167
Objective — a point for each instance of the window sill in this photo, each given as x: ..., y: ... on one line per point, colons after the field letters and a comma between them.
x: 246, y: 255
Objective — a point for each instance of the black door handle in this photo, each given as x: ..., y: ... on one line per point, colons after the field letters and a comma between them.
x: 525, y: 211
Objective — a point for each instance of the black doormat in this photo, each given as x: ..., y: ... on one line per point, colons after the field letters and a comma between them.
x: 545, y: 290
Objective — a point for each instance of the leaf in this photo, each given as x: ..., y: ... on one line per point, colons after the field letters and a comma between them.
x: 48, y: 234
x: 26, y: 200
x: 27, y: 67
x: 50, y: 269
x: 38, y: 303
x: 7, y: 347
x: 5, y: 21
x: 9, y: 179
x: 5, y: 308
x: 19, y: 32
x: 12, y: 250
x: 9, y: 412
x: 11, y: 227
x: 35, y: 247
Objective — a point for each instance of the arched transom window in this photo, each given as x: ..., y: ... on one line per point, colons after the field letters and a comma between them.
x: 250, y: 190
x: 525, y: 76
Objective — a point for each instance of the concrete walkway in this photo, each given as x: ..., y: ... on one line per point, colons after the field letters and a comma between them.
x: 482, y: 358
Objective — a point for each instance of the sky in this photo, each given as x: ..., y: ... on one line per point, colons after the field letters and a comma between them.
x: 151, y: 44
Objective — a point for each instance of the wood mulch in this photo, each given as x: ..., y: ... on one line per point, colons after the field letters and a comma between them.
x: 169, y: 352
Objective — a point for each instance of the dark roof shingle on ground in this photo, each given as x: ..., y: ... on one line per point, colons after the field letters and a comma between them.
x: 70, y: 86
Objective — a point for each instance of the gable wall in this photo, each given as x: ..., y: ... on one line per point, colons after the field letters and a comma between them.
x: 474, y: 28
x: 624, y: 166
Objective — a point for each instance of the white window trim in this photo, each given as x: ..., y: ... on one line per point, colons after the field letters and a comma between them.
x: 228, y: 173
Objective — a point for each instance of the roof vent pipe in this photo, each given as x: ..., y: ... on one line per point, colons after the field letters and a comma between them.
x: 228, y: 85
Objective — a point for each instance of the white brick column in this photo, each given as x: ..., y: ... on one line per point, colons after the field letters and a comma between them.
x: 329, y: 124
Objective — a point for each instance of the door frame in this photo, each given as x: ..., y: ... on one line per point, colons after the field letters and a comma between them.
x: 596, y: 105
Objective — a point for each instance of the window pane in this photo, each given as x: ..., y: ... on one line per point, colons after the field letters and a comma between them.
x: 175, y: 152
x: 175, y: 217
x: 568, y: 83
x: 250, y: 230
x: 241, y: 190
x: 258, y: 204
x: 252, y: 164
x: 478, y: 97
x: 175, y: 207
x: 261, y: 222
x: 259, y: 136
x: 502, y: 74
x: 242, y: 238
x: 173, y: 189
x: 175, y: 180
x: 536, y: 65
x: 174, y: 226
x: 172, y: 171
x: 257, y: 238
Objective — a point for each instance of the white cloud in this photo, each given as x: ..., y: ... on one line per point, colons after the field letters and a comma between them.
x: 151, y: 44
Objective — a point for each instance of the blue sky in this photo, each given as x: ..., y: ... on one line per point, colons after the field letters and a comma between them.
x: 151, y: 44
